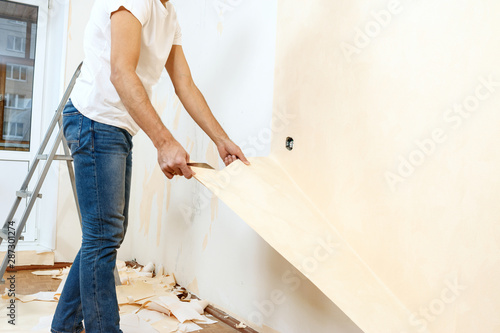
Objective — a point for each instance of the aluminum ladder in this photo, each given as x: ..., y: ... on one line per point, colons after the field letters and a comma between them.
x: 11, y: 231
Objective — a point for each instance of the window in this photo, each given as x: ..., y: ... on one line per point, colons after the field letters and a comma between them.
x: 15, y: 101
x: 16, y: 72
x: 22, y: 79
x: 17, y: 130
x: 15, y: 43
x: 14, y: 130
x: 18, y: 31
x: 17, y: 22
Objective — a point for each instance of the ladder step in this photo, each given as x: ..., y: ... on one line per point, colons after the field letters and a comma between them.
x: 26, y: 194
x: 3, y: 234
x: 56, y: 157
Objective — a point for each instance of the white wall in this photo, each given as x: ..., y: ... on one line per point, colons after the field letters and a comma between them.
x: 68, y: 232
x: 230, y: 47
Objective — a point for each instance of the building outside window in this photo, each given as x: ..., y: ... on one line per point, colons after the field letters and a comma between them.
x: 14, y: 130
x: 16, y: 72
x: 18, y: 29
x: 15, y: 43
x: 15, y: 101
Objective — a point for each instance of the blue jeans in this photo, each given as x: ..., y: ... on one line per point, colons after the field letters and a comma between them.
x: 103, y: 165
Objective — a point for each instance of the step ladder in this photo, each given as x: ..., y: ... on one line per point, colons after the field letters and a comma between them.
x: 11, y: 231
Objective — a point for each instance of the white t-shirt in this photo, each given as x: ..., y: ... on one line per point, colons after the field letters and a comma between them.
x: 94, y: 95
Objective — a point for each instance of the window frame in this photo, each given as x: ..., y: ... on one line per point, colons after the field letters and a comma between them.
x: 38, y: 122
x: 14, y: 39
x: 14, y: 127
x: 21, y: 67
x: 24, y: 149
x: 17, y: 98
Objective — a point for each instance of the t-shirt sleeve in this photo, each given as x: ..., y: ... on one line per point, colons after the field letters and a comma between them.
x: 141, y: 9
x: 178, y: 35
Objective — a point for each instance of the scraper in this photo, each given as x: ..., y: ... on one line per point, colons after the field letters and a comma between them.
x: 200, y: 165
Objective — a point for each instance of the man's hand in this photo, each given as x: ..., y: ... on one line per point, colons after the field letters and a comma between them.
x: 230, y: 152
x: 173, y: 160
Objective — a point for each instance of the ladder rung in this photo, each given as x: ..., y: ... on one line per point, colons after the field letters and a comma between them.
x: 26, y: 194
x: 6, y: 237
x: 56, y: 157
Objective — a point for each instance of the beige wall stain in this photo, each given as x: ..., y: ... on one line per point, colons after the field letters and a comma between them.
x: 160, y: 103
x: 212, y: 156
x: 158, y: 224
x: 177, y: 106
x: 168, y: 189
x: 214, y: 208
x: 193, y: 287
x: 205, y: 242
x: 189, y: 145
x: 153, y: 184
x: 220, y: 28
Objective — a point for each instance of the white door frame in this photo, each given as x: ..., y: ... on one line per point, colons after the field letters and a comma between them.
x: 50, y: 58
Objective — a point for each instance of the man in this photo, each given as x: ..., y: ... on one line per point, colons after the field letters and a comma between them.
x: 127, y: 44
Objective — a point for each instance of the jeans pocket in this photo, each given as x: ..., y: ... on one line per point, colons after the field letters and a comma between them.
x: 111, y: 139
x: 72, y: 126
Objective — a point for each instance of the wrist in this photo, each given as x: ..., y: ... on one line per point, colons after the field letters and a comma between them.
x: 164, y: 139
x: 219, y: 140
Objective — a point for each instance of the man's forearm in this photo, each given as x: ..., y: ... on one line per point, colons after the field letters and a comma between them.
x: 136, y: 101
x: 126, y: 36
x: 197, y: 107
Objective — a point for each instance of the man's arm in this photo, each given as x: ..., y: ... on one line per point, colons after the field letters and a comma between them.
x: 125, y: 51
x: 195, y: 104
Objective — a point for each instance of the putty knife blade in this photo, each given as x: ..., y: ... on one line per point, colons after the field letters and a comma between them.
x: 200, y: 165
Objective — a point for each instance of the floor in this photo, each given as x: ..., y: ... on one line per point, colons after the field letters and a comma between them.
x: 27, y: 283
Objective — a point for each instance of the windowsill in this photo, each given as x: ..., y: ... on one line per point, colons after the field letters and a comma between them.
x: 15, y: 108
x: 17, y: 80
x: 13, y: 138
x: 26, y: 246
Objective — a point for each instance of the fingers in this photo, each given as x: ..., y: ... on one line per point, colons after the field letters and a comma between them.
x: 188, y: 159
x: 229, y: 159
x: 186, y: 171
x: 169, y: 175
x: 183, y: 170
x: 178, y: 167
x: 239, y: 155
x: 242, y: 157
